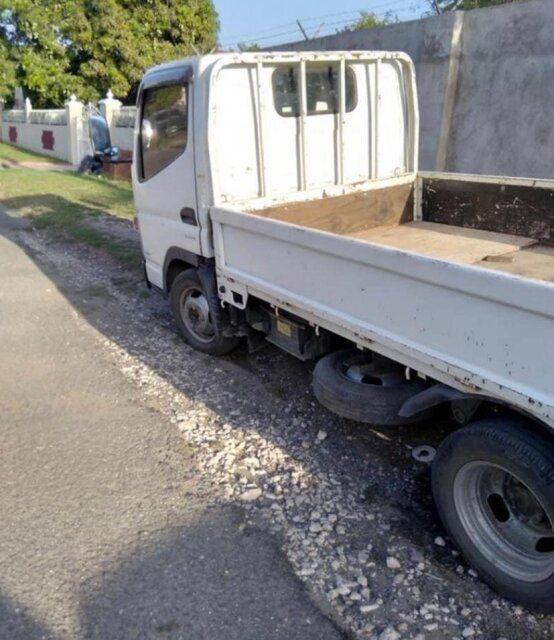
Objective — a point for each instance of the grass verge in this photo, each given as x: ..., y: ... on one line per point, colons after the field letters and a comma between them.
x: 16, y: 154
x: 72, y: 204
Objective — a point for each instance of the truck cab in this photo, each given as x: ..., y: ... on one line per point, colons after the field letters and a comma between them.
x: 254, y: 129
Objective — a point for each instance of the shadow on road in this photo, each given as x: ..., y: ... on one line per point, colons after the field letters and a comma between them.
x: 200, y: 582
x: 18, y: 624
x: 197, y: 578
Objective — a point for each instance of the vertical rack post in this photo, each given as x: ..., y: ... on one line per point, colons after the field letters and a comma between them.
x: 302, y: 125
x: 342, y: 111
x: 375, y: 122
x: 260, y: 102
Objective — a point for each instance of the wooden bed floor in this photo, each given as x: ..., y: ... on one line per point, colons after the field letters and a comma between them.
x: 444, y: 241
x: 499, y: 251
x: 534, y: 262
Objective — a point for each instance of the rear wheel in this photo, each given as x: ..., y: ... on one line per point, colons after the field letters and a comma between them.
x: 193, y: 317
x: 493, y: 483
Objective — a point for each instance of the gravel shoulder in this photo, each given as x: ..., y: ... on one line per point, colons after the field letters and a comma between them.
x: 348, y: 506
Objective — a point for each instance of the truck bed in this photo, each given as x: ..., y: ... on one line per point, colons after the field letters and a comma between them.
x: 437, y: 297
x: 520, y: 256
x: 385, y: 216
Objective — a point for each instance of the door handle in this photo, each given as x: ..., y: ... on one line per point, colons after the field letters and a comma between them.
x: 188, y: 216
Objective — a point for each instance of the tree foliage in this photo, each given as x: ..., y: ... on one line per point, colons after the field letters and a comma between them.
x: 367, y: 20
x: 7, y: 73
x: 249, y: 46
x: 53, y: 48
x: 442, y: 6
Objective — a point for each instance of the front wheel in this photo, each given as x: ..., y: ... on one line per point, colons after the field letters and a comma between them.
x: 191, y: 311
x: 493, y: 484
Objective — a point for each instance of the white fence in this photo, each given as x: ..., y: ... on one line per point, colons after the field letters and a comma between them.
x: 63, y: 133
x: 56, y: 117
x: 125, y: 117
x: 122, y: 127
x: 15, y: 115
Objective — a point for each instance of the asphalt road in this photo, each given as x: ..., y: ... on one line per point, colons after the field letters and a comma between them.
x: 107, y: 529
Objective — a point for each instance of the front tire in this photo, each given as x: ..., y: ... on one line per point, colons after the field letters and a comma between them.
x: 191, y: 311
x: 493, y: 484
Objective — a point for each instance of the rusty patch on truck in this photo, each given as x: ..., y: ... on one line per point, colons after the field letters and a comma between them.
x: 521, y: 210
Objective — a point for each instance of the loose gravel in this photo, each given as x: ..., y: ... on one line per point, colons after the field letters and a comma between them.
x: 349, y: 505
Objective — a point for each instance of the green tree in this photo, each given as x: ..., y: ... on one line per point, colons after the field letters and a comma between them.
x: 58, y: 47
x: 367, y: 20
x: 249, y: 46
x: 7, y: 73
x: 442, y: 6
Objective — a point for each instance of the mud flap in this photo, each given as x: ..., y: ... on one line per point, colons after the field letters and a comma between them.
x: 220, y: 317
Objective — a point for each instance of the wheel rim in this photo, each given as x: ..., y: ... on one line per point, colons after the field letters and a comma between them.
x: 195, y: 313
x: 505, y: 520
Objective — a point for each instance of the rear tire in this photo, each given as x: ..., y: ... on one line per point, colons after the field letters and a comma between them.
x: 191, y: 311
x: 493, y: 484
x: 352, y: 385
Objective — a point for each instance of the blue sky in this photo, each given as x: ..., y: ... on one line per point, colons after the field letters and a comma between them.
x: 272, y: 22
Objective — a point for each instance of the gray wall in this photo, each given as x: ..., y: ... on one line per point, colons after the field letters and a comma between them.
x: 504, y: 115
x: 501, y: 118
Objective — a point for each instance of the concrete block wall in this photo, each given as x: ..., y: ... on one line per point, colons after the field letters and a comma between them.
x: 63, y: 133
x: 48, y: 140
x: 503, y: 120
x: 121, y: 121
x: 48, y: 135
x: 123, y: 136
x: 485, y: 81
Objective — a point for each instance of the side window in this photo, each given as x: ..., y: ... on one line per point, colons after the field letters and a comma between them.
x: 163, y: 132
x: 322, y: 90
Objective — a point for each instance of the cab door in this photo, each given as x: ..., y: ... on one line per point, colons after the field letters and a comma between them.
x: 164, y: 182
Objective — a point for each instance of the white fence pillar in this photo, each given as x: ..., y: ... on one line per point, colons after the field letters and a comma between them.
x: 74, y: 110
x: 28, y: 108
x: 109, y: 107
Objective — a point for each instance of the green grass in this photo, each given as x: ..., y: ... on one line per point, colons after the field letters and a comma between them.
x: 70, y: 203
x: 15, y: 154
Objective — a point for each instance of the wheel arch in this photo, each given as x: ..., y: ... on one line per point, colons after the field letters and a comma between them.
x: 176, y: 261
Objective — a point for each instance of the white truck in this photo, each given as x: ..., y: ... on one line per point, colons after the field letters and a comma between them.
x: 278, y: 198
